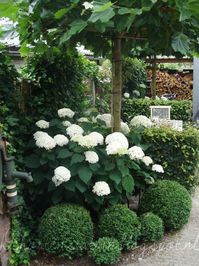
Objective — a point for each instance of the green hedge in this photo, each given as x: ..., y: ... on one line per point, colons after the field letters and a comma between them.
x: 180, y: 110
x: 177, y: 152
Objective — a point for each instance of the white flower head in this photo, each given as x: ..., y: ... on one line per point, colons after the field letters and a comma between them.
x: 83, y: 119
x: 87, y: 141
x: 157, y: 168
x: 117, y: 137
x: 61, y: 140
x: 101, y: 188
x: 116, y: 148
x: 46, y: 142
x: 135, y: 153
x: 66, y: 123
x: 107, y: 118
x: 42, y: 124
x: 98, y: 137
x: 125, y: 128
x: 136, y: 93
x: 141, y: 120
x: 74, y: 129
x: 88, y: 5
x: 146, y: 98
x: 39, y: 134
x: 126, y: 95
x: 157, y: 98
x: 61, y: 174
x: 65, y: 112
x: 91, y: 157
x: 147, y: 160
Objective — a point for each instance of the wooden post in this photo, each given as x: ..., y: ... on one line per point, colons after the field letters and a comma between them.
x: 154, y: 76
x: 116, y: 84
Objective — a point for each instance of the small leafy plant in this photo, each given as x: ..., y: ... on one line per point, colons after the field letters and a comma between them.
x: 105, y: 251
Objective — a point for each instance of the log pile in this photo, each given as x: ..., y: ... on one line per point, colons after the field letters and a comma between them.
x: 179, y: 84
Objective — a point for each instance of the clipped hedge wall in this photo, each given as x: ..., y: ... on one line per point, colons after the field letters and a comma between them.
x: 177, y: 152
x: 180, y: 110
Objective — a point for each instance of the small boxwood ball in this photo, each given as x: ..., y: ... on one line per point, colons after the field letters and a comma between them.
x: 66, y: 230
x: 105, y: 250
x: 120, y: 223
x: 170, y: 201
x: 152, y: 227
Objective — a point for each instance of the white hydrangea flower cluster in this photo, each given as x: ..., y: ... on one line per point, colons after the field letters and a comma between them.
x: 65, y: 112
x: 73, y: 130
x: 107, y: 118
x: 117, y: 143
x: 147, y: 160
x: 157, y: 168
x: 91, y: 140
x: 125, y: 128
x: 83, y: 119
x: 126, y: 95
x: 101, y: 188
x: 61, y: 174
x: 91, y: 157
x: 42, y: 124
x: 136, y: 93
x: 140, y: 120
x: 61, y: 140
x: 98, y: 137
x: 44, y: 141
x: 135, y: 153
x: 39, y: 134
x: 66, y: 123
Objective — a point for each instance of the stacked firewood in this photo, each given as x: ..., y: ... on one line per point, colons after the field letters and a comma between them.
x: 178, y: 84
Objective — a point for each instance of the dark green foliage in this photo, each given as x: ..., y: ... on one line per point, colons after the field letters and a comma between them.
x: 120, y: 223
x: 66, y: 230
x: 134, y: 75
x: 105, y: 251
x: 152, y: 227
x: 177, y: 152
x: 170, y: 201
x: 180, y: 110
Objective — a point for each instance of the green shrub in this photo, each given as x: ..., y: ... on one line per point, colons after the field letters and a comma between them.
x: 180, y: 110
x: 152, y: 227
x: 177, y: 152
x: 170, y: 201
x: 105, y: 250
x: 120, y: 223
x: 66, y: 230
x: 134, y: 75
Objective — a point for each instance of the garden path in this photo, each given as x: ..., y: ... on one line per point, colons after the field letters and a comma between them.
x: 179, y: 249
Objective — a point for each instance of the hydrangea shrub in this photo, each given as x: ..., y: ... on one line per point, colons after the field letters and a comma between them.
x: 80, y: 160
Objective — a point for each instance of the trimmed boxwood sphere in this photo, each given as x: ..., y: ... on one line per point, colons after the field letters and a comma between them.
x: 105, y: 250
x: 120, y: 223
x: 66, y: 230
x: 152, y: 227
x: 170, y: 201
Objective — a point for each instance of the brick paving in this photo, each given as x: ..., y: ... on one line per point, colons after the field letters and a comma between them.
x: 179, y: 249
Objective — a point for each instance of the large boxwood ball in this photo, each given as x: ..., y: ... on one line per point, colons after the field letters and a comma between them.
x: 170, y: 201
x: 120, y: 223
x: 66, y: 230
x: 152, y: 227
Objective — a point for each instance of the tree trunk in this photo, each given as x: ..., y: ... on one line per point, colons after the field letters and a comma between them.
x: 116, y: 84
x: 154, y: 75
x: 93, y: 92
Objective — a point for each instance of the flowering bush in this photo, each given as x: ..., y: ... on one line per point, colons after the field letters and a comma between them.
x: 80, y: 160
